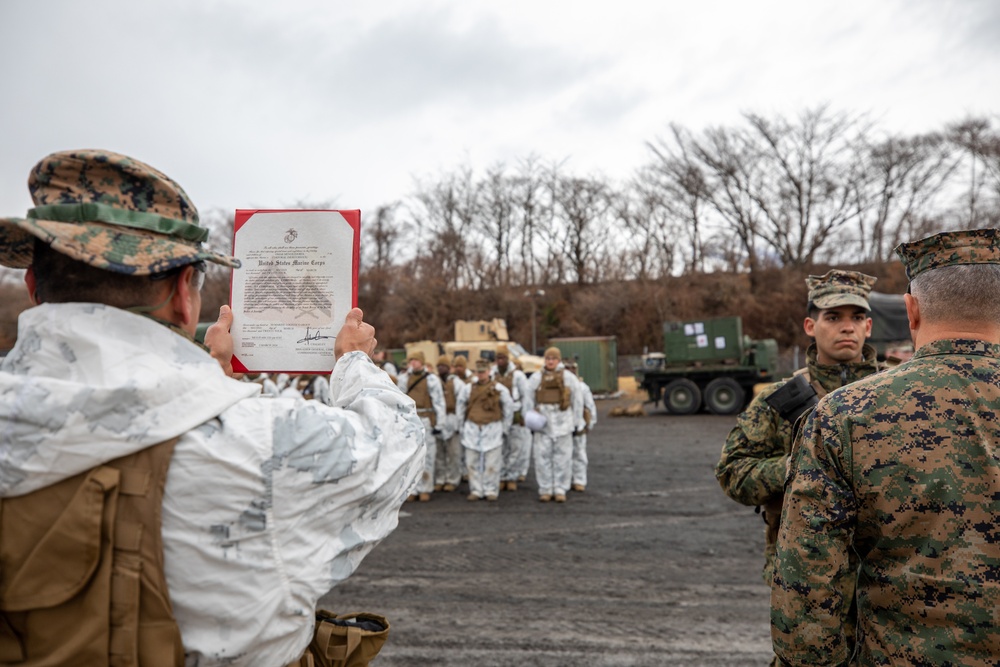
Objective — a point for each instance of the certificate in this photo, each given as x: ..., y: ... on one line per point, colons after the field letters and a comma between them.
x: 298, y: 281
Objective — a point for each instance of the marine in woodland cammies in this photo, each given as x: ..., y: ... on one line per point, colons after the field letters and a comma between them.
x: 903, y: 470
x: 751, y: 469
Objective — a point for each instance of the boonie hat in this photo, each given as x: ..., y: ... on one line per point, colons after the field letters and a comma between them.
x: 973, y: 246
x: 109, y: 211
x: 840, y: 288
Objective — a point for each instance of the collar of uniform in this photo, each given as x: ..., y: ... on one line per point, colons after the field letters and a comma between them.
x: 176, y: 329
x: 966, y: 346
x: 831, y: 375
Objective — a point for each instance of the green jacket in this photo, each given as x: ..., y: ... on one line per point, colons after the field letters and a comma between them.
x: 751, y: 469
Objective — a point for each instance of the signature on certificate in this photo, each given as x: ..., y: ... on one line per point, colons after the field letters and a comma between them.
x: 315, y: 335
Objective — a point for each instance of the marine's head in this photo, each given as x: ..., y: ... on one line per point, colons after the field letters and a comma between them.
x: 444, y: 365
x: 415, y: 361
x: 553, y: 357
x: 110, y: 229
x: 503, y: 358
x: 954, y: 284
x: 838, y: 318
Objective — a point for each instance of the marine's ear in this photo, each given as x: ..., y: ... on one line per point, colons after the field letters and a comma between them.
x: 29, y: 281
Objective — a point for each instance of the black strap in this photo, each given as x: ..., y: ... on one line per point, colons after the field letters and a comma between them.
x: 414, y: 385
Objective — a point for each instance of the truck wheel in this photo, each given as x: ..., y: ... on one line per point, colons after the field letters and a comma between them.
x: 682, y: 397
x: 724, y: 396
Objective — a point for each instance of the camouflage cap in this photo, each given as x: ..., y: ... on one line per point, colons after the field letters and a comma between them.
x: 415, y: 356
x: 974, y: 246
x: 553, y: 352
x: 482, y: 365
x: 109, y: 211
x: 840, y: 288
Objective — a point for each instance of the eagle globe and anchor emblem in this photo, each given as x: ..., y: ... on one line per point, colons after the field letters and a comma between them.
x: 291, y: 235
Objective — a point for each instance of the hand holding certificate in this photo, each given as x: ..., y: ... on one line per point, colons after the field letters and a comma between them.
x: 298, y: 283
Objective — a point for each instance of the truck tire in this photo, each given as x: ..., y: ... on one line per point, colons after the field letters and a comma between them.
x: 682, y: 397
x: 724, y: 396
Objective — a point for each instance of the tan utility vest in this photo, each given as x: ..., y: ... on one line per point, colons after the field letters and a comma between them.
x: 553, y: 390
x: 416, y: 388
x: 81, y: 570
x: 484, y: 404
x: 449, y: 394
x: 506, y: 380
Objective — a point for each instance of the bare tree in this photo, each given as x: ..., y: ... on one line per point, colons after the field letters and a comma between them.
x: 533, y: 211
x: 903, y: 176
x: 497, y: 224
x: 684, y: 193
x: 730, y: 164
x: 446, y: 211
x: 974, y: 136
x: 583, y: 204
x: 651, y: 241
x: 811, y: 168
x: 383, y: 234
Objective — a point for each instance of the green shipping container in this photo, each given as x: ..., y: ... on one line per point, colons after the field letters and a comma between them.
x: 597, y: 359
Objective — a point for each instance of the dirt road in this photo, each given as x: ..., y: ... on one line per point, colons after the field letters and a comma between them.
x: 651, y: 566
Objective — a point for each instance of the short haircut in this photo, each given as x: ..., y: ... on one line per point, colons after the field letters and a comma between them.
x: 61, y: 279
x: 959, y: 293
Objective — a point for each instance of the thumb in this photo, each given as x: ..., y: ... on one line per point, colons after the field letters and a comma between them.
x: 225, y: 317
x: 355, y: 316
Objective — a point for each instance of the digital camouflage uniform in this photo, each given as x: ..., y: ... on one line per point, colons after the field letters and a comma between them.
x: 752, y: 467
x: 901, y: 469
x: 753, y: 463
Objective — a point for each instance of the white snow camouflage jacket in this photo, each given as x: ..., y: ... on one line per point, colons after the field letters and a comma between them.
x: 269, y: 502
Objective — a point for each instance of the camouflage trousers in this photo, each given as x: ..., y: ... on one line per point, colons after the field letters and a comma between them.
x: 580, y: 459
x: 426, y: 482
x: 516, y: 454
x: 483, y: 469
x: 553, y: 463
x: 448, y: 465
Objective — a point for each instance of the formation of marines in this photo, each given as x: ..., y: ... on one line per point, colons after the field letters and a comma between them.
x: 475, y: 421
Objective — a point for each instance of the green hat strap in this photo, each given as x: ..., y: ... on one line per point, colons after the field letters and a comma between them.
x: 91, y: 212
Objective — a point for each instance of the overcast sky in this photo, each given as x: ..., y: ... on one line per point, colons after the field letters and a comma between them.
x: 253, y: 103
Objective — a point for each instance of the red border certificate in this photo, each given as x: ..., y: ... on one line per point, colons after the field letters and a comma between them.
x: 298, y: 281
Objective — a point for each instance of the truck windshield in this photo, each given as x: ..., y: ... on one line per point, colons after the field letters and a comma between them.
x: 516, y: 349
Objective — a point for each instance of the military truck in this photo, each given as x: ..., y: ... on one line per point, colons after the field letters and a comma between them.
x: 890, y: 326
x: 475, y: 339
x: 707, y: 363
